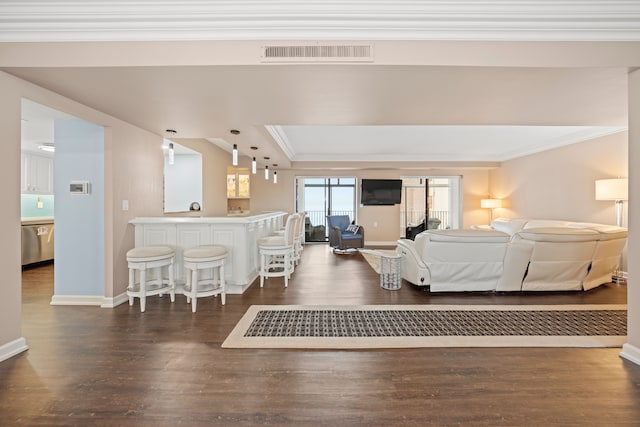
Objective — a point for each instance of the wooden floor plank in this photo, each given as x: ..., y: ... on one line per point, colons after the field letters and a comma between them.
x: 120, y: 367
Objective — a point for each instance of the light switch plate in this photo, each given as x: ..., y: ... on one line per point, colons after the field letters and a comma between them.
x: 125, y: 205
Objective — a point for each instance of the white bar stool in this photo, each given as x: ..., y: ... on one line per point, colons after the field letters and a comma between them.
x: 201, y: 258
x: 150, y: 258
x: 298, y: 237
x: 277, y: 253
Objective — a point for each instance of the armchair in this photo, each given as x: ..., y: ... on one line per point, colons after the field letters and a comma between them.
x: 343, y: 235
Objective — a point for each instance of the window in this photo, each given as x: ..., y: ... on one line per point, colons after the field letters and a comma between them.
x: 437, y: 198
x: 322, y: 196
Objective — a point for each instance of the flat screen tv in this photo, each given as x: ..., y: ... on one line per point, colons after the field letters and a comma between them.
x: 381, y: 192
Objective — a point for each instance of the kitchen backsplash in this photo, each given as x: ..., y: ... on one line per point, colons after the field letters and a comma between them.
x: 34, y: 206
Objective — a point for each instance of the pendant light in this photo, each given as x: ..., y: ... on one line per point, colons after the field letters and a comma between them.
x: 234, y: 153
x: 254, y: 166
x: 171, y: 132
x: 275, y: 177
x: 266, y: 173
x: 171, y: 154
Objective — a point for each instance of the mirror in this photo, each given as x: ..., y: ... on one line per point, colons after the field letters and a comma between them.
x: 182, y: 178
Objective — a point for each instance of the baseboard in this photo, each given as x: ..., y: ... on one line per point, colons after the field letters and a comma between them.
x: 12, y: 348
x: 393, y: 243
x: 77, y: 300
x: 114, y: 301
x: 631, y: 353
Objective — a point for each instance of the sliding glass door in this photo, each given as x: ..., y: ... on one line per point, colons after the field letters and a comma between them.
x: 433, y: 202
x: 322, y: 196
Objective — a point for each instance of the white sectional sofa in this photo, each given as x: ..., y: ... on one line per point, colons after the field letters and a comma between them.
x: 514, y: 255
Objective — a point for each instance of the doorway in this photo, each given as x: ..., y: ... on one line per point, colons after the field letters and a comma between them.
x: 322, y: 196
x: 430, y: 202
x: 78, y: 216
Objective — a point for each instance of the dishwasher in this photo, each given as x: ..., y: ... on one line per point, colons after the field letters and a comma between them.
x: 37, y: 243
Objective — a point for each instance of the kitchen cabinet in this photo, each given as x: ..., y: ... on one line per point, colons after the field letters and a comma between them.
x: 37, y: 174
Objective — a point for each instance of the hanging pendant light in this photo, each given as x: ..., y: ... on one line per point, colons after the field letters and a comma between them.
x: 171, y: 153
x: 275, y: 177
x: 254, y: 166
x: 171, y: 132
x: 234, y: 153
x: 266, y: 172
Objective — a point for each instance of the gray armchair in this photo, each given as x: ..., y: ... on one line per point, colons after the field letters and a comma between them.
x: 343, y: 235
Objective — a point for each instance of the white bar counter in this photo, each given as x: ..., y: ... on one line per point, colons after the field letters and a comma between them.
x: 240, y: 235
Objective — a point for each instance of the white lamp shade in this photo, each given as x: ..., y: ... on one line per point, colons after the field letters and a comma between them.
x: 234, y: 155
x: 490, y: 203
x: 612, y: 189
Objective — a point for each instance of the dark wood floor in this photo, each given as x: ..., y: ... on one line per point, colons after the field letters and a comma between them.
x: 93, y: 366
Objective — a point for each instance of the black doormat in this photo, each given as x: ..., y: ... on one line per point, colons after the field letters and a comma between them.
x: 413, y: 323
x: 338, y: 324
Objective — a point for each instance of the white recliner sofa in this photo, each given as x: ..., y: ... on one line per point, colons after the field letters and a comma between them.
x: 514, y: 255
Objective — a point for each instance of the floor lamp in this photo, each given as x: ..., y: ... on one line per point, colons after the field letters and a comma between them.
x: 616, y: 189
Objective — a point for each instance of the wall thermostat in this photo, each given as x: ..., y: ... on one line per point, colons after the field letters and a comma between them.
x: 79, y: 187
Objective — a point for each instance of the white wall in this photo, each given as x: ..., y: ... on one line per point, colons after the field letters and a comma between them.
x: 631, y: 349
x: 79, y: 218
x: 11, y: 340
x: 560, y: 183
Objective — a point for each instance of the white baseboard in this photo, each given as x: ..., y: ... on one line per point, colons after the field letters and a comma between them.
x: 114, y: 301
x: 12, y: 348
x: 393, y: 243
x: 631, y: 353
x: 77, y: 300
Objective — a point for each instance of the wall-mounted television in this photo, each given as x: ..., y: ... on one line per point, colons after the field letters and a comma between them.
x: 381, y: 192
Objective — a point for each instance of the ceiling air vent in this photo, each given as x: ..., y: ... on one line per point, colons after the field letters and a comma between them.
x: 318, y: 53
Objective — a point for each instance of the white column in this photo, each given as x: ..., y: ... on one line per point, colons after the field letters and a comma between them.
x: 631, y: 350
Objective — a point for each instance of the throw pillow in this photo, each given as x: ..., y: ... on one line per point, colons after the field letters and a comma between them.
x: 353, y: 228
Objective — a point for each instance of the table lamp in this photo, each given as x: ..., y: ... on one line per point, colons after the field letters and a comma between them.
x: 490, y: 204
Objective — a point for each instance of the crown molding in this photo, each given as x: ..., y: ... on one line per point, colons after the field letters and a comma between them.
x: 280, y: 137
x: 497, y: 20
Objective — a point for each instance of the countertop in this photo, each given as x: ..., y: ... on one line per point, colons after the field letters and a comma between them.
x: 37, y: 220
x: 206, y: 219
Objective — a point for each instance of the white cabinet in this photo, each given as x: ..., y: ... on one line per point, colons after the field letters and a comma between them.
x: 238, y: 185
x: 37, y: 174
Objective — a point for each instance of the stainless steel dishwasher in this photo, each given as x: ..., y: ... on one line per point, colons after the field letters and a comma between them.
x: 37, y: 243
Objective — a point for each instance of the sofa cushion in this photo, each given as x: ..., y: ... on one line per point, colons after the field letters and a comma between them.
x: 558, y: 234
x: 508, y: 225
x: 340, y: 221
x: 348, y: 235
x: 545, y: 223
x: 468, y: 236
x: 607, y: 232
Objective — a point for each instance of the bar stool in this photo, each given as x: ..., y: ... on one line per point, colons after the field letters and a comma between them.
x: 298, y: 245
x: 298, y: 236
x: 201, y: 258
x: 150, y: 258
x: 277, y: 253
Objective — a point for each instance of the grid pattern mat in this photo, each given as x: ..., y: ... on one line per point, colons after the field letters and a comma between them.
x: 421, y: 323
